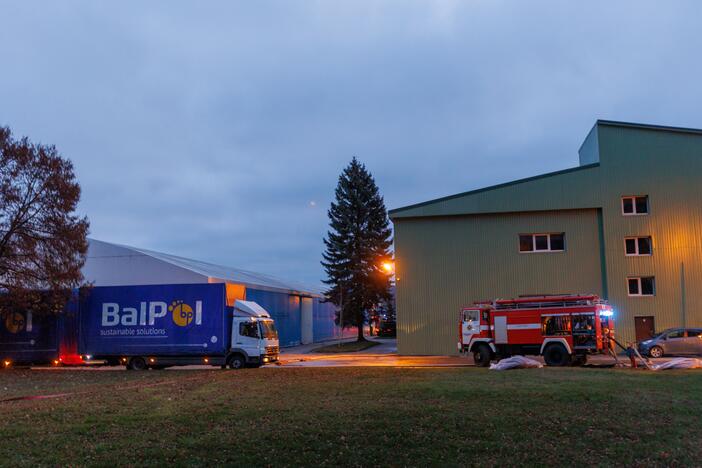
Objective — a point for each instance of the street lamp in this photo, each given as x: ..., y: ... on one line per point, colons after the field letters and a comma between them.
x: 388, y: 267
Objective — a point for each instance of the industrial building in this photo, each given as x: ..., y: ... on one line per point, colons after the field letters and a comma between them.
x: 300, y: 314
x: 625, y: 224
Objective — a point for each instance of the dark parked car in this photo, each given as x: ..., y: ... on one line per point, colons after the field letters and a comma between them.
x: 387, y: 328
x: 674, y: 341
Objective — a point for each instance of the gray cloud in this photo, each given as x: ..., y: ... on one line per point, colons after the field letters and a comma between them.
x: 206, y: 131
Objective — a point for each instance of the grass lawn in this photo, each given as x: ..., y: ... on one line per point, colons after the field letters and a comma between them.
x: 346, y: 347
x: 353, y: 416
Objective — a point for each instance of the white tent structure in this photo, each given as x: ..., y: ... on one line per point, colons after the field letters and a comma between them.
x: 300, y: 314
x: 111, y: 264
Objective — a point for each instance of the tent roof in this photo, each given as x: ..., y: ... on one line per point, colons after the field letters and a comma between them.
x: 224, y: 273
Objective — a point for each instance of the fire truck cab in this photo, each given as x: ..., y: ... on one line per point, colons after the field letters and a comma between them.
x: 563, y: 329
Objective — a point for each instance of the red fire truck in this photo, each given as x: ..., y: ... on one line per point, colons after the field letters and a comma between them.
x: 564, y: 329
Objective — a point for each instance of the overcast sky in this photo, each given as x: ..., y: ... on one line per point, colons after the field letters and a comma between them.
x: 217, y: 130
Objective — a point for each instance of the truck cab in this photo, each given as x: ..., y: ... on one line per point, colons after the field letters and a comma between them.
x: 254, y: 338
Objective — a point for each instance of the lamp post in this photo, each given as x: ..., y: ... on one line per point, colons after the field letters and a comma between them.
x: 341, y: 312
x: 387, y: 267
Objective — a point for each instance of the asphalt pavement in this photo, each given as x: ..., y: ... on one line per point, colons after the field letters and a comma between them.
x: 382, y: 355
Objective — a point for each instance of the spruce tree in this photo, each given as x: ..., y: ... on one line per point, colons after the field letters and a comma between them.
x: 357, y: 244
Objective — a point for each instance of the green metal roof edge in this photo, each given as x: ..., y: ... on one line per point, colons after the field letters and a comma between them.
x: 663, y: 128
x: 492, y: 187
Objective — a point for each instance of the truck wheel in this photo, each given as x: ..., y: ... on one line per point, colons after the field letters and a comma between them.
x: 137, y: 363
x: 556, y: 355
x: 237, y: 361
x: 482, y: 355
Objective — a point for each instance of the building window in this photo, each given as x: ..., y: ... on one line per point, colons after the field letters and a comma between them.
x: 638, y: 246
x: 642, y: 286
x: 635, y: 205
x: 542, y: 242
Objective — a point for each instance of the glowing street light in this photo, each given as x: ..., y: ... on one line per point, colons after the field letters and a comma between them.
x: 388, y: 267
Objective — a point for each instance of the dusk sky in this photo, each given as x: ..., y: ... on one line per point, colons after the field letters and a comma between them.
x: 217, y: 130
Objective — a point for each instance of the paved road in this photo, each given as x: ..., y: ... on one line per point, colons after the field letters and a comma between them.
x: 382, y: 355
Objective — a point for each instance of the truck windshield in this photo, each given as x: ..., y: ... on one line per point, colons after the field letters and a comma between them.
x: 268, y: 329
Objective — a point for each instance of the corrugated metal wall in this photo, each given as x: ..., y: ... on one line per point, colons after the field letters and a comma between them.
x: 666, y: 166
x: 324, y: 314
x: 444, y: 264
x: 286, y: 310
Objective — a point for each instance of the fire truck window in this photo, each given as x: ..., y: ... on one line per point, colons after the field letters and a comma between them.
x: 470, y: 316
x: 485, y: 315
x: 583, y: 324
x: 555, y: 325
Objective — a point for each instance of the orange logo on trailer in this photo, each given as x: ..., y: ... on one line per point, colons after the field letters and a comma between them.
x: 15, y: 322
x: 182, y: 313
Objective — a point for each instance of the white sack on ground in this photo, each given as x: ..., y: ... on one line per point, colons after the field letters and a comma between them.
x: 679, y: 363
x: 515, y: 362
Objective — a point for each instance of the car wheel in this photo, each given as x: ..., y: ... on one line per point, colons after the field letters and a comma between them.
x: 482, y: 356
x: 237, y: 361
x: 655, y: 352
x: 556, y: 355
x: 138, y: 363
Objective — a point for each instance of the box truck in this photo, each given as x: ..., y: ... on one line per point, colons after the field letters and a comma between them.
x: 154, y: 326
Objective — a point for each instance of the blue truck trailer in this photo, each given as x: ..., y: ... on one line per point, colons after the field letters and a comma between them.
x: 154, y: 326
x: 27, y: 338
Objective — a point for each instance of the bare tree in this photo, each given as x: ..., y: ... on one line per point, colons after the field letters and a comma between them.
x: 42, y: 240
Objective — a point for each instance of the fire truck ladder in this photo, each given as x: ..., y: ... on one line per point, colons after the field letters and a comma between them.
x: 547, y: 301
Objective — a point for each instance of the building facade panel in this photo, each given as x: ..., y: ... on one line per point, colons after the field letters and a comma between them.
x: 446, y: 263
x: 665, y: 166
x: 438, y: 242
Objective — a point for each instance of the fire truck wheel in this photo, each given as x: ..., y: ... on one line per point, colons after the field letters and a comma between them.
x: 556, y: 355
x: 482, y: 356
